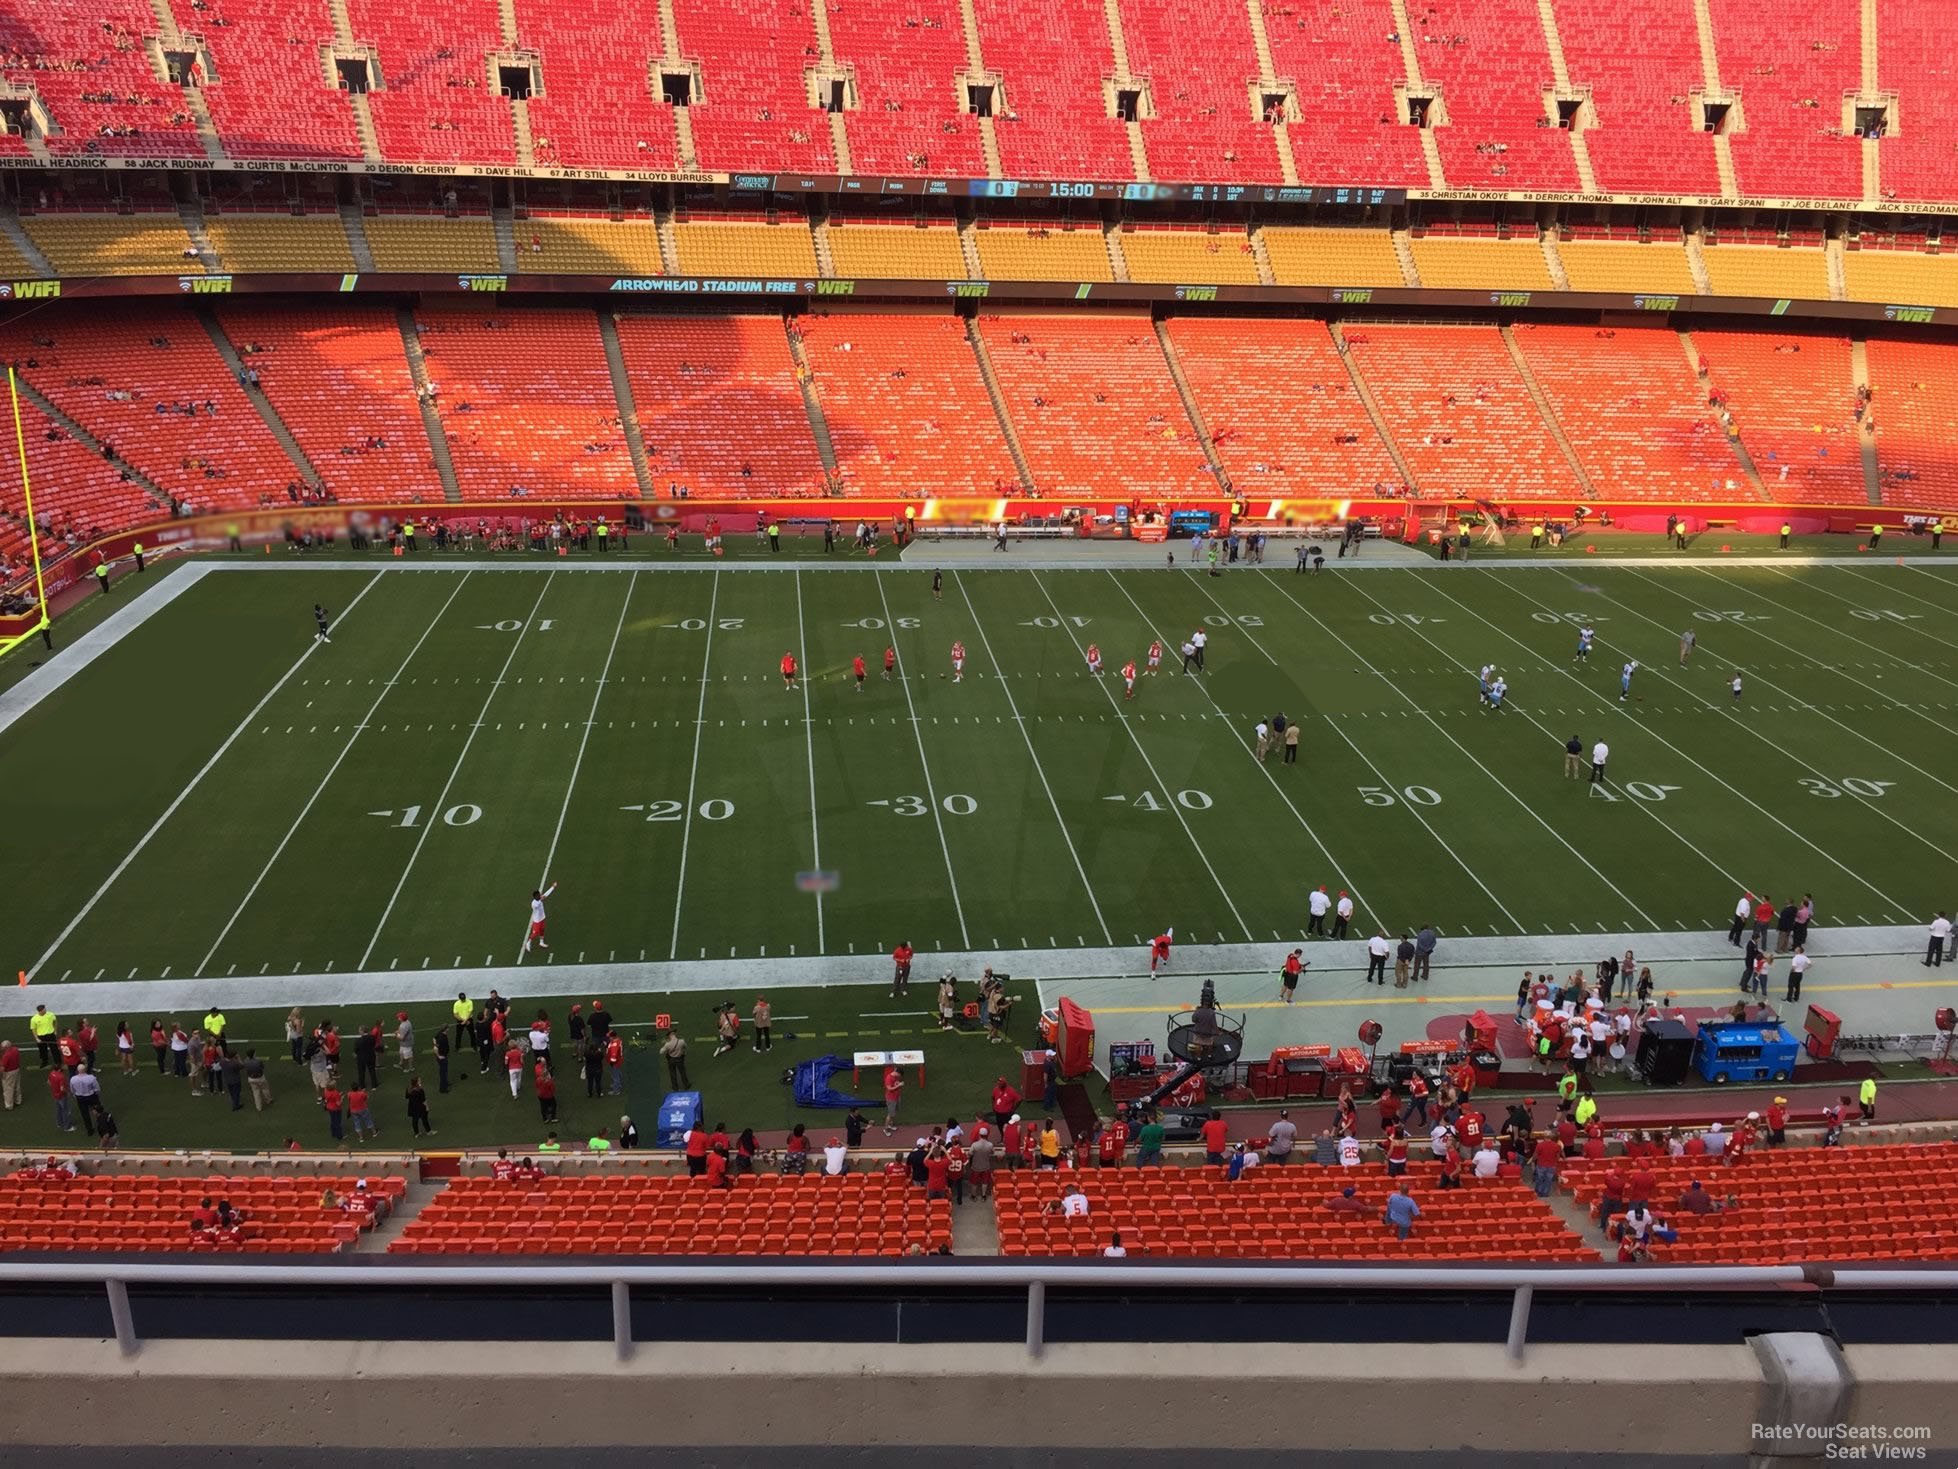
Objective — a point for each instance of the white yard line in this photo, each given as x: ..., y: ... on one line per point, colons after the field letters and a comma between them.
x: 183, y: 795
x: 326, y: 780
x: 1811, y: 708
x: 1853, y: 636
x: 931, y: 793
x: 693, y: 771
x: 1128, y: 727
x: 442, y: 801
x: 1494, y: 779
x: 591, y: 718
x: 809, y: 731
x: 1238, y: 737
x: 1020, y: 723
x: 100, y: 639
x: 1938, y: 607
x: 1607, y: 705
x: 1550, y: 734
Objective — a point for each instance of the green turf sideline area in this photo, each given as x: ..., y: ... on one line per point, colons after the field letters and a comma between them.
x: 387, y: 802
x: 741, y: 1088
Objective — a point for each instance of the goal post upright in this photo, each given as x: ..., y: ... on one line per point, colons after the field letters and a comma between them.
x: 33, y: 529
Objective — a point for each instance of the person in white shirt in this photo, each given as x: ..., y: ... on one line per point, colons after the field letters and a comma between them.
x: 1797, y: 967
x: 1342, y: 915
x: 1940, y: 931
x: 1074, y: 1203
x: 1438, y: 1139
x: 1377, y: 950
x: 1113, y: 1249
x: 1743, y: 912
x: 1264, y: 739
x: 836, y: 1159
x: 1600, y: 752
x: 1715, y: 1140
x: 1349, y: 1152
x: 1317, y: 906
x: 1199, y: 640
x: 1487, y: 1160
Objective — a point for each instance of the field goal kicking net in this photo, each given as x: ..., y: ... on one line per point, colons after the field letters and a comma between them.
x: 17, y: 590
x: 1430, y: 522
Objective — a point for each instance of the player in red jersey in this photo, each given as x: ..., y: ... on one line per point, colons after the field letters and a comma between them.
x: 890, y: 663
x: 536, y: 934
x: 1094, y: 658
x: 1155, y: 655
x: 856, y: 667
x: 1128, y: 679
x: 958, y: 662
x: 1159, y: 950
x: 788, y: 670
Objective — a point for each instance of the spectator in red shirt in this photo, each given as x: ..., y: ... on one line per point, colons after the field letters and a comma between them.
x: 9, y: 1075
x: 70, y: 1051
x: 1394, y: 1145
x: 1009, y: 1139
x: 513, y: 1063
x: 1390, y: 1109
x: 1617, y: 1186
x: 331, y: 1100
x: 58, y: 1088
x: 937, y: 1175
x: 893, y: 1089
x: 1640, y: 1189
x: 1567, y: 1136
x: 1777, y: 1122
x: 90, y: 1039
x: 503, y: 1170
x: 1348, y: 1201
x: 1451, y: 1167
x: 1469, y: 1130
x: 696, y: 1149
x: 1547, y: 1156
x: 546, y: 1092
x: 1216, y: 1134
x: 717, y: 1170
x: 1005, y: 1100
x: 1696, y: 1145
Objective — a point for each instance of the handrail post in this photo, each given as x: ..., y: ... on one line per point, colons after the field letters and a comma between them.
x: 119, y: 1313
x: 1036, y: 1317
x: 1519, y: 1320
x: 622, y: 1320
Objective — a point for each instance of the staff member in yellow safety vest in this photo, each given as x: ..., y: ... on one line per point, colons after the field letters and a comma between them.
x: 1865, y: 1098
x: 42, y: 1025
x: 139, y: 555
x: 464, y: 1010
x: 1784, y: 535
x: 1876, y: 537
x: 1536, y: 535
x: 599, y: 1143
x: 1586, y: 1109
x: 408, y: 537
x: 214, y: 1024
x: 604, y: 530
x: 1937, y: 532
x: 231, y: 531
x: 102, y: 577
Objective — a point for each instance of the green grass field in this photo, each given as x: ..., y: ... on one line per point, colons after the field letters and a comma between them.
x: 388, y: 801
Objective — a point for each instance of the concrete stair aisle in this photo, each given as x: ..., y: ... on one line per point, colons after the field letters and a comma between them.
x: 969, y: 248
x: 1288, y: 167
x: 635, y: 441
x: 1578, y: 1220
x: 839, y: 134
x: 1190, y: 408
x: 1111, y: 11
x: 812, y: 405
x: 192, y: 215
x: 975, y: 65
x: 1859, y: 370
x: 270, y: 415
x: 975, y: 1226
x: 1545, y: 411
x: 94, y: 445
x: 1404, y: 252
x: 1560, y: 74
x: 1832, y: 256
x: 991, y: 380
x: 1696, y: 263
x: 416, y: 1197
x: 506, y: 20
x: 10, y: 227
x: 370, y: 146
x: 669, y: 247
x: 1416, y: 83
x: 351, y: 222
x: 1547, y: 242
x: 1261, y: 253
x: 438, y: 437
x: 207, y: 130
x: 520, y: 125
x: 670, y: 59
x: 825, y: 257
x: 1372, y: 407
x: 1749, y: 470
x: 683, y: 137
x: 1723, y: 152
x: 503, y: 224
x: 1872, y: 175
x: 1111, y: 236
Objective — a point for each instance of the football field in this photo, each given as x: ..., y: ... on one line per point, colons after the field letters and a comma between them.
x: 218, y: 794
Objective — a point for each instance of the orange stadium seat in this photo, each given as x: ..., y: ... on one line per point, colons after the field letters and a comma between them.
x: 597, y: 109
x: 526, y: 401
x: 75, y: 493
x: 907, y: 118
x: 1055, y: 123
x: 1491, y: 64
x: 1205, y: 126
x: 1093, y: 405
x: 1792, y: 400
x: 1343, y: 59
x: 133, y: 1212
x: 1800, y: 1205
x: 1641, y: 61
x: 99, y: 86
x: 339, y: 379
x: 907, y: 409
x: 756, y: 109
x: 437, y: 102
x: 1792, y: 72
x: 1281, y: 408
x: 1632, y: 410
x: 1280, y: 1213
x: 269, y: 96
x: 858, y: 1214
x: 1458, y: 411
x: 718, y: 405
x: 1916, y: 408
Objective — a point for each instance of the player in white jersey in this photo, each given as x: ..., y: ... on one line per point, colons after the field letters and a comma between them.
x: 1496, y: 692
x: 1482, y: 681
x: 536, y: 934
x: 1736, y: 685
x: 1155, y: 655
x: 1584, y: 637
x: 1688, y: 640
x: 958, y: 662
x: 1625, y: 680
x: 1094, y: 658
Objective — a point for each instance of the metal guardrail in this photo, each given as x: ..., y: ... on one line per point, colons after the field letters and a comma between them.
x: 931, y: 1275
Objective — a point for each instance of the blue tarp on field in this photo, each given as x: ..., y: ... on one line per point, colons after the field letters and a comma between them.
x: 813, y: 1088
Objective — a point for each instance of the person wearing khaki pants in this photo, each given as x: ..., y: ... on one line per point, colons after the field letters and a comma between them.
x: 9, y: 1075
x: 258, y: 1081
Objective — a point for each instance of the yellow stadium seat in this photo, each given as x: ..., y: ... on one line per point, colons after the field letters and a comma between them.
x: 273, y: 242
x: 412, y: 242
x: 1020, y: 252
x: 1765, y: 270
x: 1903, y: 277
x: 588, y: 245
x: 785, y: 249
x: 1451, y: 264
x: 1628, y: 266
x: 91, y: 244
x: 1315, y: 256
x: 1172, y: 256
x: 897, y: 251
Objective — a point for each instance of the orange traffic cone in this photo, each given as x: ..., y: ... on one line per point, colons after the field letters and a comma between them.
x: 23, y: 979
